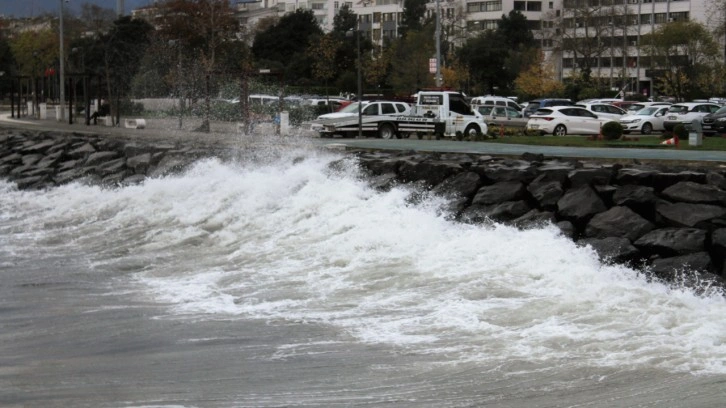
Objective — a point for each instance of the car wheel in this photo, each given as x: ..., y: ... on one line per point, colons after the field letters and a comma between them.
x: 387, y: 131
x: 560, y: 130
x: 646, y: 129
x: 471, y: 131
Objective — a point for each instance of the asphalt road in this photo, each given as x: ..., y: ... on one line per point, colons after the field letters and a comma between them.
x: 225, y: 133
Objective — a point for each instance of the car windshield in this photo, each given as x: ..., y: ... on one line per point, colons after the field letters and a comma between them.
x: 678, y: 109
x: 647, y: 111
x: 543, y: 112
x: 720, y: 111
x: 352, y: 108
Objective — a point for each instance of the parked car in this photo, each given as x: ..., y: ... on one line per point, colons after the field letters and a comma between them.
x: 599, y: 100
x: 646, y: 120
x: 494, y: 100
x: 495, y: 115
x: 626, y: 105
x: 536, y: 104
x: 714, y: 123
x: 561, y: 120
x: 604, y: 110
x: 640, y: 105
x: 687, y: 112
x: 370, y: 108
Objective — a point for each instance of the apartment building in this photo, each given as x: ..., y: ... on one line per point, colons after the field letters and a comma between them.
x: 615, y: 26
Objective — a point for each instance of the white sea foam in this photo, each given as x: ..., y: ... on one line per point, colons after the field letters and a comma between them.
x: 296, y: 240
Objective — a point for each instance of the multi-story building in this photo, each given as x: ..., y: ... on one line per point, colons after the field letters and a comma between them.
x: 604, y: 36
x: 600, y: 35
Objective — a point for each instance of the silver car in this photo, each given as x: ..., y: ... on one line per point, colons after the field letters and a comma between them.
x: 497, y: 115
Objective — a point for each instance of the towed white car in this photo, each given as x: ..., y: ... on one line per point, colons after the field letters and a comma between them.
x: 564, y: 120
x: 646, y: 120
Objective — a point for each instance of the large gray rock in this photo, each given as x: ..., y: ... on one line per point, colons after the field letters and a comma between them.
x: 499, y: 192
x: 688, y: 215
x: 503, y: 212
x: 619, y: 221
x: 590, y: 176
x: 580, y: 203
x: 685, y: 270
x: 546, y: 193
x: 464, y: 184
x: 672, y: 241
x: 431, y: 172
x: 690, y: 192
x: 612, y: 249
x: 633, y: 195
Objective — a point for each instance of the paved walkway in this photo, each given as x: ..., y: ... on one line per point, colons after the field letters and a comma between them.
x: 222, y: 133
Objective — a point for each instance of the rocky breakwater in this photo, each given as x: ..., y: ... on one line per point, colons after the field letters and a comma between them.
x: 664, y: 220
x: 667, y: 221
x: 37, y: 160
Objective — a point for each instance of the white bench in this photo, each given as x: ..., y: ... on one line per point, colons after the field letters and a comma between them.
x: 135, y: 123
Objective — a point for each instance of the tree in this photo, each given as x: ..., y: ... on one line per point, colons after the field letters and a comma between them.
x: 323, y: 53
x: 206, y: 31
x: 485, y: 58
x: 538, y: 80
x: 284, y: 46
x: 345, y: 20
x: 122, y: 48
x: 413, y: 14
x: 593, y: 36
x: 521, y: 47
x: 410, y: 60
x: 681, y: 53
x: 95, y: 19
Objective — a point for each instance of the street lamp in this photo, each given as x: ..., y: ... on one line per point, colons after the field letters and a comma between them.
x: 177, y: 44
x: 438, y: 43
x: 360, y: 83
x: 62, y: 71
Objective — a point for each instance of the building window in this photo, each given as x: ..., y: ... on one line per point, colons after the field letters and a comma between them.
x: 336, y: 5
x: 534, y: 6
x: 520, y: 5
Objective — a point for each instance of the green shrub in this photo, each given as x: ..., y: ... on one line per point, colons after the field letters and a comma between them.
x: 680, y: 131
x: 612, y: 130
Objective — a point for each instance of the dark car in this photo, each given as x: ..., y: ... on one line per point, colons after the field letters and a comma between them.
x: 536, y: 104
x: 714, y: 123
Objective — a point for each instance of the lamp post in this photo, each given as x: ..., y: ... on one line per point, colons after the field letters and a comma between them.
x: 61, y: 70
x: 360, y: 84
x: 438, y: 43
x: 177, y: 44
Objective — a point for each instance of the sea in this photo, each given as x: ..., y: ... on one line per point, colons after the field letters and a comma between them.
x: 282, y: 278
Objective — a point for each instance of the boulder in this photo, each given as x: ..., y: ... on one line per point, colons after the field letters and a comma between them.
x: 580, y: 204
x: 686, y: 214
x: 499, y: 192
x: 672, y: 241
x: 619, y: 222
x: 613, y: 249
x: 690, y: 192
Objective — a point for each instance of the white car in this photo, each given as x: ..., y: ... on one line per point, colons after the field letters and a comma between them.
x: 370, y: 108
x: 563, y: 120
x: 640, y: 105
x: 604, y: 110
x: 686, y: 112
x: 646, y: 120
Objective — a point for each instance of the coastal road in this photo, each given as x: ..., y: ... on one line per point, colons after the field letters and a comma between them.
x: 225, y: 133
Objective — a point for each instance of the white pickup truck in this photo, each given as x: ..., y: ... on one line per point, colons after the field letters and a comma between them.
x: 440, y: 113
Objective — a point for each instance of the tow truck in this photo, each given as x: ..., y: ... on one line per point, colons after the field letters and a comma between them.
x: 439, y: 113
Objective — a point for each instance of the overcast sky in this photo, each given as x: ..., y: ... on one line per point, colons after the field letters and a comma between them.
x: 30, y: 8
